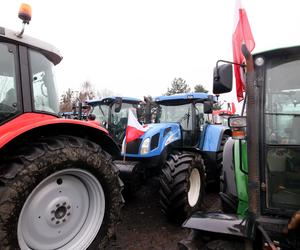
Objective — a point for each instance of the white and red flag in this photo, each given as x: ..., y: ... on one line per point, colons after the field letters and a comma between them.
x: 134, y: 129
x: 241, y: 35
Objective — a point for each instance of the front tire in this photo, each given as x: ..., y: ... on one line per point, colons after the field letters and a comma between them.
x: 181, y: 185
x: 59, y: 193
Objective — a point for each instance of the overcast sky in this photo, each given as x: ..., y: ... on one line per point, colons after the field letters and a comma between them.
x: 137, y: 47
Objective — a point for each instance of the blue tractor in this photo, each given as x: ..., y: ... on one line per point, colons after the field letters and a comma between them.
x: 112, y: 113
x: 182, y: 148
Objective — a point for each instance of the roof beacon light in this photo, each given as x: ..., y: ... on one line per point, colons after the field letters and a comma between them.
x: 25, y: 16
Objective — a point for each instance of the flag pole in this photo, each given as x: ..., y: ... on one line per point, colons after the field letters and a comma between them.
x: 124, y: 151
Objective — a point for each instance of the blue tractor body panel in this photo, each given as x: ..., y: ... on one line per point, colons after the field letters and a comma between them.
x: 161, y: 135
x: 185, y: 97
x: 212, y: 138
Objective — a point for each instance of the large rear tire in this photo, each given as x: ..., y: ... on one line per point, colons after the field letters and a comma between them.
x: 59, y: 193
x: 181, y: 185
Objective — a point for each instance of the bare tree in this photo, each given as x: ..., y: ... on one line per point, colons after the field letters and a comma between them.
x: 68, y: 100
x: 87, y: 92
x: 105, y: 93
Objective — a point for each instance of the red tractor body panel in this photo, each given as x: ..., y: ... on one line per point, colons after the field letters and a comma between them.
x: 29, y: 121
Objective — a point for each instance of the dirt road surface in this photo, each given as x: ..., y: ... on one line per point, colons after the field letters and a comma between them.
x: 143, y: 226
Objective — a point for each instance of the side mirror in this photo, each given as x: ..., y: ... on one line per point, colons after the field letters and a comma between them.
x: 208, y: 107
x: 118, y: 104
x: 222, y: 79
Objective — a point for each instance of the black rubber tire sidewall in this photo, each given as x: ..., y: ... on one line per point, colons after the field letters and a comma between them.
x: 25, y: 170
x: 174, y: 185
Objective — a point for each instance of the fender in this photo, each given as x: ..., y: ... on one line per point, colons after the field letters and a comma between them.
x: 229, y: 224
x: 34, y: 124
x: 213, y: 136
x: 228, y: 168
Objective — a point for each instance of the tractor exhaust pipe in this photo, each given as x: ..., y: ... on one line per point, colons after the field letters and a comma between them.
x: 252, y: 134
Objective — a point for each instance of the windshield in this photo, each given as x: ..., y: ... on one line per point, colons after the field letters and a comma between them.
x: 119, y: 121
x: 101, y: 113
x: 43, y: 83
x: 178, y: 113
x: 9, y: 105
x: 282, y: 134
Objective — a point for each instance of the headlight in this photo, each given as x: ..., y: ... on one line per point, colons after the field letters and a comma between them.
x: 145, y: 146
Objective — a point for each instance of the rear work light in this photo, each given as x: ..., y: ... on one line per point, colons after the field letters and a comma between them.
x: 238, y: 127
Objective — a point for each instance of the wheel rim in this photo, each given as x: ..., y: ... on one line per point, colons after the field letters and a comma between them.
x: 195, y: 187
x: 65, y: 211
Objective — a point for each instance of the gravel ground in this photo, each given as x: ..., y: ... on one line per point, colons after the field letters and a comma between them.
x: 143, y: 226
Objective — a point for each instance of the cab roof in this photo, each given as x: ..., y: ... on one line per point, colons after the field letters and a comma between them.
x: 48, y: 50
x: 183, y: 98
x: 112, y: 99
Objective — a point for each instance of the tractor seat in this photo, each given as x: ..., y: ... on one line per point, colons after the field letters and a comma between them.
x: 10, y: 98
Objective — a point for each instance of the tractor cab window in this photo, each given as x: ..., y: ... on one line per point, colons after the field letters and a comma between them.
x: 200, y: 117
x: 9, y: 105
x: 101, y: 113
x: 176, y: 113
x: 282, y: 134
x: 119, y: 121
x: 43, y: 83
x: 182, y: 114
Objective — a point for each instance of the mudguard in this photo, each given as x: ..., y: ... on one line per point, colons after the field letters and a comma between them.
x: 31, y: 122
x: 228, y: 168
x: 229, y: 224
x: 212, y: 137
x: 161, y: 135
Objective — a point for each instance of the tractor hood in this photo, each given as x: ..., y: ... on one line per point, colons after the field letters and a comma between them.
x: 153, y: 141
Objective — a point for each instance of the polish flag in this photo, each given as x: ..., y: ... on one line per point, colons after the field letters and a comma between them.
x: 233, y: 108
x: 134, y: 129
x: 242, y: 35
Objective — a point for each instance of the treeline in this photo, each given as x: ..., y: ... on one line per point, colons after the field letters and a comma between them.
x: 71, y: 98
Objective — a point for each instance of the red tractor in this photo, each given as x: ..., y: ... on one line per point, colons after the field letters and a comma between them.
x: 221, y: 116
x: 58, y: 186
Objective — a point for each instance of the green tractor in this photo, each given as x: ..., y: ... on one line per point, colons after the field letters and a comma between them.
x: 260, y: 188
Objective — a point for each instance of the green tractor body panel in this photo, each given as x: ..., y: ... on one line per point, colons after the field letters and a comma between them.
x: 241, y: 168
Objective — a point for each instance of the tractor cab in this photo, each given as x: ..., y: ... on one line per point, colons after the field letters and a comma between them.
x: 112, y: 113
x: 27, y: 81
x: 278, y: 112
x: 189, y: 111
x: 260, y: 182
